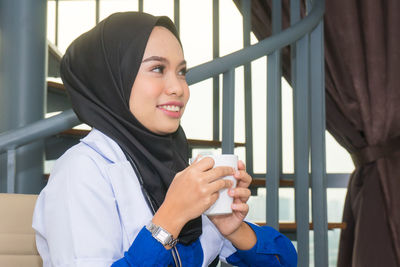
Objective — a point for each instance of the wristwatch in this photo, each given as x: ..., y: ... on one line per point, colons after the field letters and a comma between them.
x: 162, y: 235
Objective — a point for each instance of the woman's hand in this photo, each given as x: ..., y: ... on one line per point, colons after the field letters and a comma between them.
x: 191, y: 193
x: 228, y: 224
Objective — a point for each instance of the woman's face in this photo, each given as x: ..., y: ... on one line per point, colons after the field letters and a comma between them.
x: 160, y: 92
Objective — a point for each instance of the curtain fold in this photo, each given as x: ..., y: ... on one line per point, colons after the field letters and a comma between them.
x: 362, y: 80
x: 362, y: 56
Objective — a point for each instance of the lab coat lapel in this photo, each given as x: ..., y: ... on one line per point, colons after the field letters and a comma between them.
x: 132, y: 206
x: 133, y: 209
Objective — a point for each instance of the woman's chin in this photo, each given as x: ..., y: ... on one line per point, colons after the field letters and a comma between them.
x: 167, y: 130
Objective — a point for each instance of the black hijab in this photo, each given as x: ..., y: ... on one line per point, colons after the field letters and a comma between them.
x: 98, y: 70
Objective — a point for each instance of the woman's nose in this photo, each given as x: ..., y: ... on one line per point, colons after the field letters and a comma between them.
x: 175, y: 85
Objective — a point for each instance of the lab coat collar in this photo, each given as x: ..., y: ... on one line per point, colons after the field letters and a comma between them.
x: 104, y: 145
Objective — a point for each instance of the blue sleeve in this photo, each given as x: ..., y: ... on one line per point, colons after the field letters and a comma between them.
x: 145, y: 251
x: 270, y: 243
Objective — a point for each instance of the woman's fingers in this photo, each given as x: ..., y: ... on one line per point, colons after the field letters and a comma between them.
x: 193, y: 161
x: 214, y: 196
x: 219, y: 184
x: 203, y: 164
x: 244, y: 179
x: 216, y: 184
x: 241, y: 207
x: 219, y: 172
x: 241, y: 165
x: 241, y: 193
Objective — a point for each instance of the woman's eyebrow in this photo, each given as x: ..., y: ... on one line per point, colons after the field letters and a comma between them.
x: 183, y: 62
x: 161, y: 59
x: 155, y: 58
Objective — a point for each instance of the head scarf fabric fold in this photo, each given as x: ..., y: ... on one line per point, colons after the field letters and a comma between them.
x: 98, y: 71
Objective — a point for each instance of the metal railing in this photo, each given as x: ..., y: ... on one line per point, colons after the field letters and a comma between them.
x: 304, y: 35
x: 67, y: 119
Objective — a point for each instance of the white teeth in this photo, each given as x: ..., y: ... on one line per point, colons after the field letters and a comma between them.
x: 171, y: 108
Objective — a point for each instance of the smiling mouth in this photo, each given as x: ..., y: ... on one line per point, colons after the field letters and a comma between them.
x: 172, y: 111
x: 171, y: 108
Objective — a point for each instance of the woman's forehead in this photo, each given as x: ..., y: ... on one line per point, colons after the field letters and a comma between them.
x: 163, y: 43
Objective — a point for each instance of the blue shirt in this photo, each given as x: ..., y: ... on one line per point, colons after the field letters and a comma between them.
x: 147, y: 251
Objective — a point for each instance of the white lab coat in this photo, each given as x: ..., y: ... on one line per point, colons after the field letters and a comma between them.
x: 92, y: 209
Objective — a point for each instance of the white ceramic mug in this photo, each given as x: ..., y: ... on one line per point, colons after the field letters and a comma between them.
x: 224, y: 201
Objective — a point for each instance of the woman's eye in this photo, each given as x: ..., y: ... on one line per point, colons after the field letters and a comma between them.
x: 183, y: 72
x: 158, y: 69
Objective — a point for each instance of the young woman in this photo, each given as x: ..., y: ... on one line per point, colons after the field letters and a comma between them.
x: 125, y: 195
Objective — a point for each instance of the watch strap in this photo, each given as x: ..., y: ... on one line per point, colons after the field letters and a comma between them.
x: 161, y: 235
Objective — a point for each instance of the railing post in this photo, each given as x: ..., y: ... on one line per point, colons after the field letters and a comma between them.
x: 318, y: 170
x: 56, y: 24
x: 294, y: 18
x: 140, y: 5
x: 301, y: 149
x: 215, y: 79
x: 274, y: 125
x: 228, y: 112
x: 177, y: 15
x: 97, y: 14
x: 11, y: 170
x: 248, y: 107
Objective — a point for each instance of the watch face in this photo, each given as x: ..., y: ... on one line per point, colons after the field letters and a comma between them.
x: 163, y: 236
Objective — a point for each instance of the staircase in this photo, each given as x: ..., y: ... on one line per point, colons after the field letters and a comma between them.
x: 305, y: 35
x: 57, y: 144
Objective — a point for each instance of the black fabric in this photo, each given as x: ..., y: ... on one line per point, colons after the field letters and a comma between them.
x: 215, y: 262
x: 98, y: 71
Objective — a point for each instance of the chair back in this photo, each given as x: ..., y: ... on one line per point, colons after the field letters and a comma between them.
x: 17, y: 237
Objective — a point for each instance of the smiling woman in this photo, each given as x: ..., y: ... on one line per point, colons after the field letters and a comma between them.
x: 160, y: 92
x: 125, y: 195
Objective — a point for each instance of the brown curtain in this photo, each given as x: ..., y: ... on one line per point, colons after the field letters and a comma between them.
x: 362, y: 56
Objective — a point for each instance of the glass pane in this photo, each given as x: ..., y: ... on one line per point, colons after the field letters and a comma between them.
x: 75, y: 18
x: 338, y: 160
x: 196, y: 37
x: 107, y: 7
x: 259, y: 108
x: 159, y: 8
x: 239, y: 105
x: 286, y: 205
x: 197, y: 120
x: 51, y: 21
x: 287, y: 128
x: 241, y: 153
x: 333, y: 246
x: 230, y: 27
x: 335, y: 203
x: 257, y: 204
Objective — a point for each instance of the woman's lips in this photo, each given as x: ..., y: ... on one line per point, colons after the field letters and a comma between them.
x: 171, y: 110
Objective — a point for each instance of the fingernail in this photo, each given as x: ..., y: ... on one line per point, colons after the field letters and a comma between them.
x: 237, y: 173
x: 234, y: 206
x: 231, y: 192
